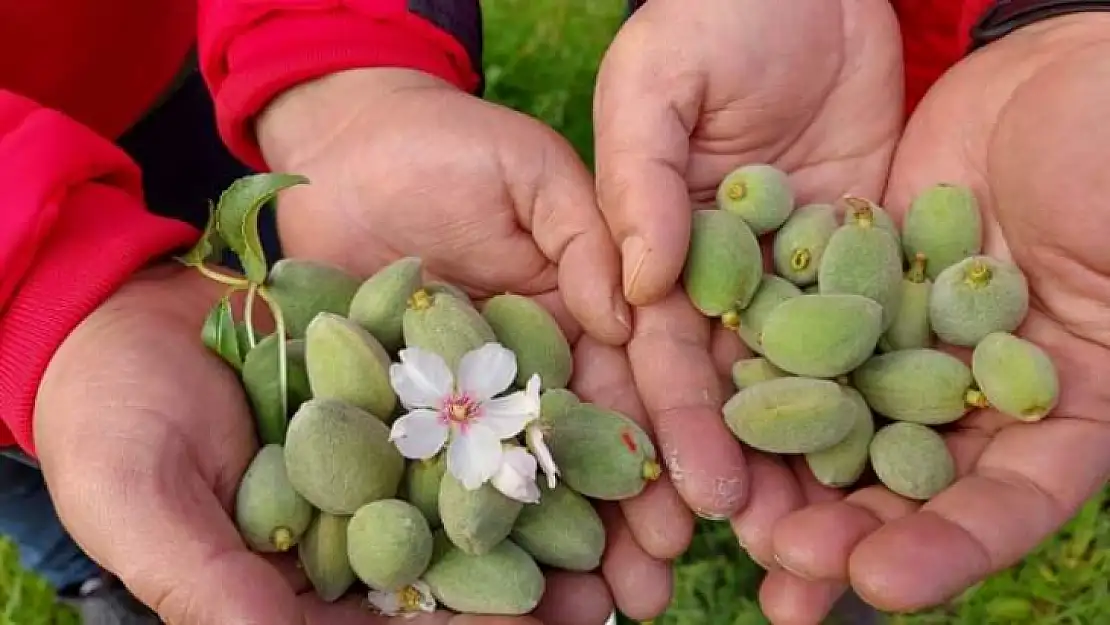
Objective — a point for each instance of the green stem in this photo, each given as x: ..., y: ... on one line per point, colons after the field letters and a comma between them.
x: 248, y: 314
x: 279, y: 321
x: 232, y: 281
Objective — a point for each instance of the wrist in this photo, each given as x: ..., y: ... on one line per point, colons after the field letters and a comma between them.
x: 300, y: 122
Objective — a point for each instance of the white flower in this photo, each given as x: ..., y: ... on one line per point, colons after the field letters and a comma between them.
x: 533, y: 437
x: 407, y: 602
x: 460, y: 411
x: 516, y: 478
x: 533, y: 434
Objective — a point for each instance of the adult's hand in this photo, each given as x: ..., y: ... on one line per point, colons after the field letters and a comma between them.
x: 1021, y: 122
x: 684, y: 96
x: 143, y: 435
x: 404, y: 164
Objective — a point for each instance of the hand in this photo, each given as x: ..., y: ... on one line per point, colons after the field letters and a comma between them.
x: 685, y: 96
x: 403, y: 164
x: 1021, y: 122
x: 143, y: 435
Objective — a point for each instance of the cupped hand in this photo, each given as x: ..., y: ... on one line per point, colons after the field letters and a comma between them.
x: 684, y: 96
x: 404, y: 164
x: 1022, y: 123
x: 143, y: 435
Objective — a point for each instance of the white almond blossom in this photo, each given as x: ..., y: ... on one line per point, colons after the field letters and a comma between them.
x: 460, y: 411
x: 407, y: 602
x: 516, y: 478
x: 533, y: 437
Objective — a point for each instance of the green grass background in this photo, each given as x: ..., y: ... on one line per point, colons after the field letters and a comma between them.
x: 541, y: 58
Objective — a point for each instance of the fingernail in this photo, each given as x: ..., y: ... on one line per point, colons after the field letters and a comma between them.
x: 783, y: 566
x: 751, y: 556
x: 633, y: 253
x: 620, y: 311
x: 710, y: 516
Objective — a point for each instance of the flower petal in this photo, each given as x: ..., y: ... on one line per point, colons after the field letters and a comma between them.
x: 427, y: 599
x: 486, y: 371
x: 516, y: 478
x: 533, y: 436
x: 388, y: 603
x: 422, y: 378
x: 420, y: 434
x: 508, y: 415
x: 474, y: 457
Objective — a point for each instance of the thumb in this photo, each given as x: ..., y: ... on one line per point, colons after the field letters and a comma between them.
x: 150, y: 518
x: 642, y: 124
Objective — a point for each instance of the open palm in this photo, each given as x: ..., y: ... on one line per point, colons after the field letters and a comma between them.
x: 1022, y: 123
x: 143, y: 452
x: 684, y: 96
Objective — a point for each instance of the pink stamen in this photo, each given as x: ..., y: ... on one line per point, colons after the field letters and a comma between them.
x: 459, y: 411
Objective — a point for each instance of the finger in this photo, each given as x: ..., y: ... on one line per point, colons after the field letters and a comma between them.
x: 574, y: 599
x: 658, y: 518
x: 570, y: 231
x: 161, y: 529
x: 642, y: 123
x: 774, y: 494
x: 813, y: 492
x: 641, y: 585
x: 970, y: 531
x: 1045, y: 469
x: 790, y: 600
x: 683, y: 395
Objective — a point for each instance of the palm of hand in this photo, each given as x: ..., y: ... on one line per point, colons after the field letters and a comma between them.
x: 752, y: 82
x: 490, y: 199
x: 1018, y: 123
x: 143, y: 453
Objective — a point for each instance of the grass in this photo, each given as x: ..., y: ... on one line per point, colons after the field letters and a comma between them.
x: 541, y: 58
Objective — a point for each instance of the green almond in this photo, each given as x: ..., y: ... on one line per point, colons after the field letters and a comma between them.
x: 822, y: 336
x: 445, y: 325
x: 912, y: 460
x: 476, y: 520
x: 389, y: 544
x: 533, y: 335
x: 918, y: 385
x: 303, y: 288
x: 601, y: 453
x: 790, y: 415
x: 772, y: 291
x: 761, y: 194
x: 346, y: 362
x: 975, y: 297
x: 339, y: 456
x: 380, y: 302
x: 800, y: 243
x: 270, y: 514
x: 503, y: 581
x: 323, y: 556
x: 842, y: 464
x: 944, y: 224
x: 563, y: 530
x: 1017, y: 377
x: 724, y: 264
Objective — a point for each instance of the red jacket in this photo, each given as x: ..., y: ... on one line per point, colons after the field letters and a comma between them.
x: 74, y: 75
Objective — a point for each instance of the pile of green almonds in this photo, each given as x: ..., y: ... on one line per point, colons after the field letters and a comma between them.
x: 848, y: 318
x: 329, y: 483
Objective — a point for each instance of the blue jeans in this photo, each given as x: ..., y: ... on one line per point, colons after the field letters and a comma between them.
x: 184, y: 165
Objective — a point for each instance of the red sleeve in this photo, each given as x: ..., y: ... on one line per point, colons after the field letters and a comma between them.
x: 936, y: 34
x: 72, y: 228
x: 252, y: 50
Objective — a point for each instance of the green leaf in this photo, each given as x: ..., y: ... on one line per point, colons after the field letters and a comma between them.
x: 219, y: 333
x: 237, y: 217
x: 210, y: 245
